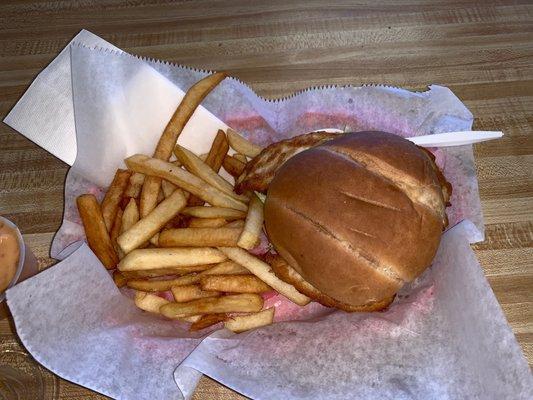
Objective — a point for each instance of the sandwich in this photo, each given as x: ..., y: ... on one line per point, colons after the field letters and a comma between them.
x: 352, y: 217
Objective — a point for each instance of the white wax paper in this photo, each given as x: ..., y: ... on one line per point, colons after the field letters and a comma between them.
x: 444, y: 337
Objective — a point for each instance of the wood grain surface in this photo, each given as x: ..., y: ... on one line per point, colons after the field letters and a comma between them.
x: 482, y: 51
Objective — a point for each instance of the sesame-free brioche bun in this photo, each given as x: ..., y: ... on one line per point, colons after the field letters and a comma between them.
x: 358, y: 216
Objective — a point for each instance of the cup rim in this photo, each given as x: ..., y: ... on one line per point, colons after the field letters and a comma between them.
x: 22, y: 256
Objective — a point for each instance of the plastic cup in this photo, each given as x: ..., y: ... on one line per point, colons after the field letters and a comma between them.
x: 27, y: 265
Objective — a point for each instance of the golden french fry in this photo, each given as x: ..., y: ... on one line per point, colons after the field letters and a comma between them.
x: 213, y: 159
x: 183, y: 113
x: 210, y: 305
x: 214, y: 212
x: 149, y: 302
x: 197, y: 167
x: 239, y: 223
x: 189, y: 279
x: 241, y: 157
x: 135, y: 185
x: 207, y: 320
x: 183, y: 179
x: 119, y: 278
x: 130, y: 215
x: 207, y: 222
x: 156, y: 285
x: 96, y: 231
x: 168, y: 188
x: 146, y: 259
x: 149, y: 195
x: 198, y: 237
x: 191, y: 318
x: 234, y: 284
x: 160, y: 196
x: 167, y: 141
x: 241, y: 323
x: 242, y: 145
x: 113, y: 197
x: 264, y: 272
x: 233, y: 166
x: 152, y: 273
x: 185, y: 293
x: 115, y: 229
x: 155, y: 240
x: 226, y: 267
x: 218, y: 151
x: 253, y: 225
x: 150, y: 225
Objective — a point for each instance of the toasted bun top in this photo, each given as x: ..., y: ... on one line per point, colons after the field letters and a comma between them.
x: 357, y: 216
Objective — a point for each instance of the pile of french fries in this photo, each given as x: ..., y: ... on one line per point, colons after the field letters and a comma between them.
x: 171, y: 227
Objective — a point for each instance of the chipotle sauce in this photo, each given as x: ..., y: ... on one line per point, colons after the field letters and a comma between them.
x: 9, y: 255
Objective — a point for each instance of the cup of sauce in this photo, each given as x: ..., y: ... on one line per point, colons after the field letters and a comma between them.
x: 12, y: 255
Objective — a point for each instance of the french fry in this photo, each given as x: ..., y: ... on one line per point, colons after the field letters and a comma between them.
x: 253, y: 225
x: 241, y: 323
x: 183, y: 113
x: 155, y: 240
x: 167, y: 141
x: 146, y: 259
x: 198, y: 237
x: 233, y: 166
x: 213, y: 159
x: 149, y: 302
x: 168, y: 188
x: 264, y: 272
x: 119, y: 278
x: 115, y: 230
x: 160, y: 196
x: 183, y: 294
x: 150, y: 225
x: 207, y: 222
x: 214, y: 212
x: 191, y: 318
x: 197, y: 167
x: 96, y: 231
x: 183, y: 179
x: 210, y: 305
x: 218, y: 151
x: 149, y: 194
x: 206, y: 321
x: 135, y: 185
x: 239, y: 223
x: 226, y: 268
x: 158, y: 272
x: 241, y: 145
x: 189, y: 279
x: 223, y: 268
x: 113, y: 197
x: 241, y: 157
x: 156, y: 285
x: 234, y: 284
x: 130, y: 216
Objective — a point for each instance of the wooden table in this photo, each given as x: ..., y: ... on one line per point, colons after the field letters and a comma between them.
x: 483, y: 52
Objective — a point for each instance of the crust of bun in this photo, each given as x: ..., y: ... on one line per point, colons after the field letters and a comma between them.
x: 288, y: 274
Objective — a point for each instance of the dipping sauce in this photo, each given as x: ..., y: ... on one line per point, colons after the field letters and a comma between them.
x: 9, y: 255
